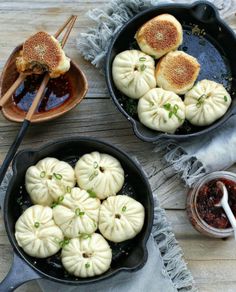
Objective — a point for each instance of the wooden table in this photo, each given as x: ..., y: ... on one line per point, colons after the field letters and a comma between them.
x: 212, y: 261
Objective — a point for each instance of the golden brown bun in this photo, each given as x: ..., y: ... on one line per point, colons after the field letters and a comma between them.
x: 177, y: 72
x: 42, y: 52
x: 160, y: 35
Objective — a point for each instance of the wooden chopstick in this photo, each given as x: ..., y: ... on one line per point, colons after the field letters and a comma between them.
x: 46, y: 78
x: 22, y: 76
x: 12, y: 89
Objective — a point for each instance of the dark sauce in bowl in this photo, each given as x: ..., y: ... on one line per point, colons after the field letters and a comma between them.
x: 209, y: 196
x: 57, y: 92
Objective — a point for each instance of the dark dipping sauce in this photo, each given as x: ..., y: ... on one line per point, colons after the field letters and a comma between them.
x: 57, y: 92
x: 208, y: 196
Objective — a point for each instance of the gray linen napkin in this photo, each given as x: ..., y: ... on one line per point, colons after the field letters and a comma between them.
x: 194, y: 158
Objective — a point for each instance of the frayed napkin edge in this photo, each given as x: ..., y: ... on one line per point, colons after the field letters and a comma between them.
x: 189, y: 168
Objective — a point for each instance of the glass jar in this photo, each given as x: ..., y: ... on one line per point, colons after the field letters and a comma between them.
x: 198, y: 223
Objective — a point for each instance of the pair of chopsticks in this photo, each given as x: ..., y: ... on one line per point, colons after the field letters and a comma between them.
x: 27, y: 121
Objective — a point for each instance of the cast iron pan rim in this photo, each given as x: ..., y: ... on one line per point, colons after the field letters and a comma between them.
x: 109, y: 76
x: 102, y: 277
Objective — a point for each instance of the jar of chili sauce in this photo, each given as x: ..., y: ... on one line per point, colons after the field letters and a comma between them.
x: 203, y: 212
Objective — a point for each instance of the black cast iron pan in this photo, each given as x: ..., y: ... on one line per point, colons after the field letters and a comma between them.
x: 215, y: 51
x: 128, y: 256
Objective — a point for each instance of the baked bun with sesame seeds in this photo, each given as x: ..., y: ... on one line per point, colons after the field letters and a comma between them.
x: 177, y: 72
x: 42, y: 53
x: 160, y: 35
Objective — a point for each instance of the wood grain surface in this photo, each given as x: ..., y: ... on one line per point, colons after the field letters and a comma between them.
x: 212, y: 261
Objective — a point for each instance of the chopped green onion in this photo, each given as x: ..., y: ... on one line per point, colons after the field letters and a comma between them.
x: 167, y: 106
x: 95, y: 164
x: 175, y: 109
x: 225, y: 98
x: 77, y: 211
x: 85, y: 235
x: 142, y: 67
x: 64, y: 242
x: 87, y: 265
x: 68, y: 189
x: 57, y: 176
x: 54, y: 204
x: 170, y: 114
x: 124, y: 208
x: 93, y: 175
x: 60, y: 199
x: 200, y: 100
x: 94, y: 224
x: 36, y: 224
x: 42, y: 174
x: 92, y: 194
x: 81, y: 213
x: 142, y: 59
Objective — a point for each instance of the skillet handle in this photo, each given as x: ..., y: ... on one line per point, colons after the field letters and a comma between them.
x: 204, y: 11
x: 144, y: 134
x: 19, y: 274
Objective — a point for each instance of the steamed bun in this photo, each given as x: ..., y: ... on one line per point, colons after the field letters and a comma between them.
x: 206, y: 102
x: 121, y: 218
x: 77, y: 213
x: 100, y: 173
x: 133, y: 73
x: 49, y: 179
x: 161, y: 110
x: 87, y: 256
x: 37, y: 233
x: 160, y: 35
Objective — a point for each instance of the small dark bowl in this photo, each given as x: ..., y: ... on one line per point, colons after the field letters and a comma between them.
x: 215, y: 52
x: 128, y: 256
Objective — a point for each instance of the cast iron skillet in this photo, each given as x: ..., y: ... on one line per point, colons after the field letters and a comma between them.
x: 128, y: 256
x: 215, y: 52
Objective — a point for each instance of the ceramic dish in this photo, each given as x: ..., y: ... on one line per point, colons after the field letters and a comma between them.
x: 78, y: 89
x: 214, y: 50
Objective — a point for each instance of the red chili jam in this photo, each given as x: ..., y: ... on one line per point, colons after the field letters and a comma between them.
x: 209, y: 196
x: 57, y: 92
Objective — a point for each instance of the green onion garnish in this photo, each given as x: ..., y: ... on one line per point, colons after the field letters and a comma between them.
x: 93, y: 175
x: 225, y: 98
x: 95, y: 164
x: 68, y: 189
x: 167, y: 106
x: 92, y: 194
x: 142, y: 67
x: 87, y: 265
x: 124, y: 208
x: 64, y: 242
x: 60, y: 199
x: 36, y: 224
x: 142, y: 59
x: 57, y: 176
x: 77, y: 211
x: 42, y: 174
x: 85, y: 235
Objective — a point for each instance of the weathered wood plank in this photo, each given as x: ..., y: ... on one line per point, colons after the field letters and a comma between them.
x: 211, y: 261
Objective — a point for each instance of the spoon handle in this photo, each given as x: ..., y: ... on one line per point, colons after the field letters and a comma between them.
x: 230, y: 216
